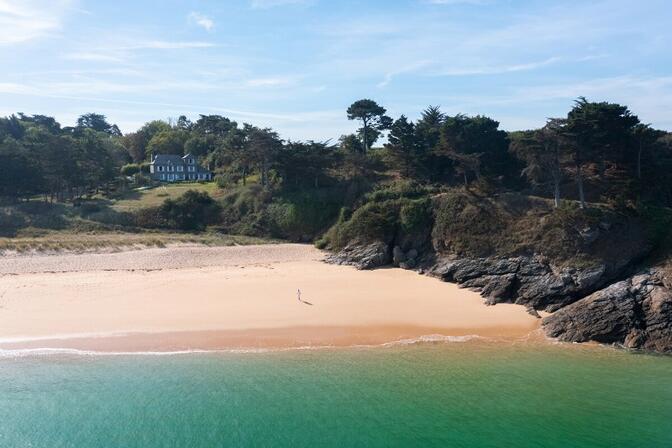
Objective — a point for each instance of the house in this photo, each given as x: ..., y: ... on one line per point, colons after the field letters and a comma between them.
x: 174, y: 168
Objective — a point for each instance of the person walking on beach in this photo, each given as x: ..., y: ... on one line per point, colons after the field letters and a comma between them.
x: 298, y: 296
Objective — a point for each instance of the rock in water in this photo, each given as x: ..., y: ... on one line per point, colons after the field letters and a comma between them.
x: 636, y: 313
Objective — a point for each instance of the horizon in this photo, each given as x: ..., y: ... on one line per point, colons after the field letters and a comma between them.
x: 296, y: 65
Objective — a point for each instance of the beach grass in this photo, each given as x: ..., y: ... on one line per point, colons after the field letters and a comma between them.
x: 73, y: 241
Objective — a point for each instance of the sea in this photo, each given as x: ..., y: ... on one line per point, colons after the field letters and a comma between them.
x: 462, y: 392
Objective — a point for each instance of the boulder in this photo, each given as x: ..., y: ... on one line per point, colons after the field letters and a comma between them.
x: 398, y: 256
x: 526, y: 281
x: 367, y: 256
x: 635, y: 313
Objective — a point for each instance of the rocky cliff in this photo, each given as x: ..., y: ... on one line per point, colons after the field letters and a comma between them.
x: 583, y: 265
x: 588, y: 304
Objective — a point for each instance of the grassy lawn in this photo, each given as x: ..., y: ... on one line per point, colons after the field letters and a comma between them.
x: 82, y: 242
x: 155, y: 196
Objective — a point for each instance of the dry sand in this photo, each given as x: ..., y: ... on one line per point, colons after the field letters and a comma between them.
x: 183, y: 298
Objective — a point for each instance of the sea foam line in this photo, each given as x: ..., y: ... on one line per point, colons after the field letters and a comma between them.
x: 54, y: 351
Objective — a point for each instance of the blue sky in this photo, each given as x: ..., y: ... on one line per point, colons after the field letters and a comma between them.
x: 295, y: 65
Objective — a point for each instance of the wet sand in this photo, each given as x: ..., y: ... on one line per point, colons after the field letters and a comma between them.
x: 191, y: 298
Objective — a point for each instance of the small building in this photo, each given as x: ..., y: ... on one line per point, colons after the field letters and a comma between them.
x: 175, y: 168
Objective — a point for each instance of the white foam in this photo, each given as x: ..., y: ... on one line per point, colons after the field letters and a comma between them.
x: 52, y: 351
x: 433, y: 339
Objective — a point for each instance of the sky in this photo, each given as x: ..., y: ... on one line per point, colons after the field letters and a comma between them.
x: 296, y: 65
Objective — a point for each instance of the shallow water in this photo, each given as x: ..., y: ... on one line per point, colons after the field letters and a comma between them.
x: 469, y: 394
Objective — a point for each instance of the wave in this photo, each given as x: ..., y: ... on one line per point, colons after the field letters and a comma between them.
x: 52, y: 351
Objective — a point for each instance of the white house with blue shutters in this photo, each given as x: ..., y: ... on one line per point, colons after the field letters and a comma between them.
x: 175, y: 168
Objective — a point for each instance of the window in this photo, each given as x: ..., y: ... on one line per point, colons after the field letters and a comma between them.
x: 163, y: 177
x: 180, y: 168
x: 160, y: 168
x: 190, y: 161
x: 191, y: 168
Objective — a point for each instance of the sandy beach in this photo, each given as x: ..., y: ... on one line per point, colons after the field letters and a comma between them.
x: 189, y: 298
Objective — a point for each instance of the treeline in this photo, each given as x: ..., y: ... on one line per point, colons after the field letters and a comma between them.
x: 598, y: 152
x: 39, y: 157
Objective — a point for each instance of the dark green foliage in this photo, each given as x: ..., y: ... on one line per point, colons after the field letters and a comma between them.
x: 130, y: 169
x: 373, y: 120
x: 193, y: 210
x: 396, y: 214
x: 95, y: 122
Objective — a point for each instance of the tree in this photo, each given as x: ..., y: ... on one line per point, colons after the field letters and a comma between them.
x: 599, y: 133
x: 169, y: 141
x: 645, y: 140
x: 429, y: 127
x: 373, y: 119
x: 21, y: 175
x: 261, y: 148
x: 540, y: 150
x: 214, y: 125
x: 351, y: 144
x: 475, y: 145
x: 11, y: 126
x: 98, y: 123
x: 305, y: 164
x: 403, y: 146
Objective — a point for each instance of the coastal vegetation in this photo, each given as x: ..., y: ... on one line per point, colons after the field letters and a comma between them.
x: 573, y: 218
x: 457, y: 182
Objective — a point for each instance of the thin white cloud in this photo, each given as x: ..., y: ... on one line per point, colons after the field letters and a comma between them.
x: 269, y: 82
x: 201, y: 20
x: 88, y: 56
x: 167, y: 45
x: 497, y: 70
x: 459, y: 2
x: 25, y: 20
x: 407, y: 69
x: 265, y: 4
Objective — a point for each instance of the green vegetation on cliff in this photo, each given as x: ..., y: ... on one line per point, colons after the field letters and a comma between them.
x: 590, y: 186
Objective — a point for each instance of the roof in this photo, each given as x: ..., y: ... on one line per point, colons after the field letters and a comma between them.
x: 165, y: 159
x: 175, y: 159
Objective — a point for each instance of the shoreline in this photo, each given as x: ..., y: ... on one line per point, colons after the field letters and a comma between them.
x: 241, y: 297
x: 272, y: 339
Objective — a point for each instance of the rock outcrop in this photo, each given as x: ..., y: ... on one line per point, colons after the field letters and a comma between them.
x: 527, y: 281
x: 366, y: 256
x: 636, y: 313
x: 587, y: 304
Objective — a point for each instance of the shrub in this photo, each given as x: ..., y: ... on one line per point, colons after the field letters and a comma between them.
x: 141, y: 180
x: 150, y: 218
x: 193, y: 210
x: 415, y: 215
x: 130, y: 169
x: 228, y: 178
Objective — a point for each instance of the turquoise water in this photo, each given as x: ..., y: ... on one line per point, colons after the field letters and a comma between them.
x: 448, y: 395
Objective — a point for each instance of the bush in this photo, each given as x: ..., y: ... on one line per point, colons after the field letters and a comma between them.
x: 10, y: 222
x: 227, y: 179
x: 415, y: 215
x: 193, y: 210
x: 374, y: 221
x: 130, y: 169
x: 150, y: 218
x: 141, y: 180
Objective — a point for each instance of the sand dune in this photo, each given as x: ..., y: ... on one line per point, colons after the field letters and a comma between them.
x: 198, y: 297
